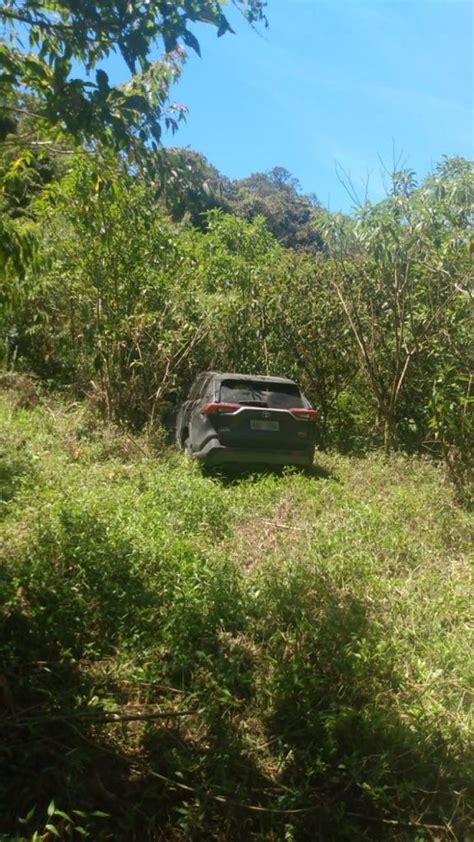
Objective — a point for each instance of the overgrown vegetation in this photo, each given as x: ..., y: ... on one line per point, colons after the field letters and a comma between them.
x: 185, y: 657
x: 267, y: 657
x: 127, y: 305
x: 126, y: 268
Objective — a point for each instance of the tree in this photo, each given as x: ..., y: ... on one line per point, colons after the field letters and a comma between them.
x: 189, y: 186
x: 276, y: 195
x: 45, y: 100
x: 107, y: 312
x: 401, y: 273
x: 65, y: 33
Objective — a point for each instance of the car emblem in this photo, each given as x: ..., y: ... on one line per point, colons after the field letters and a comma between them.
x: 265, y: 415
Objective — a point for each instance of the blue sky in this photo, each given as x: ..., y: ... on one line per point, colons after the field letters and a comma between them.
x: 334, y: 83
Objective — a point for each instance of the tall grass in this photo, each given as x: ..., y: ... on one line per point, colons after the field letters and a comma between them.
x: 263, y: 657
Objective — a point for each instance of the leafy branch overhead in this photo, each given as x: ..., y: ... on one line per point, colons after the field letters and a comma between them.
x: 67, y: 42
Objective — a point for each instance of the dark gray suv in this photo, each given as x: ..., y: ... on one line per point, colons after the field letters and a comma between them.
x: 246, y: 418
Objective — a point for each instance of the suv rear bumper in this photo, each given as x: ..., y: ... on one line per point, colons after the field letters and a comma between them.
x: 215, y: 453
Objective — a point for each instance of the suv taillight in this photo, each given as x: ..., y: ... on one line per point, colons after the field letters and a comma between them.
x: 220, y: 408
x: 306, y: 414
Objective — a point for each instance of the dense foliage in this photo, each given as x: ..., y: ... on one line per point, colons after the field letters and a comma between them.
x: 56, y: 95
x: 126, y: 303
x: 121, y: 276
x: 291, y: 216
x: 69, y: 41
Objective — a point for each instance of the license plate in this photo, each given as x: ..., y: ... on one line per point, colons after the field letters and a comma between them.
x: 271, y: 426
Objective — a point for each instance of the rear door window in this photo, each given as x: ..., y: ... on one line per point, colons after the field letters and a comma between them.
x: 261, y: 393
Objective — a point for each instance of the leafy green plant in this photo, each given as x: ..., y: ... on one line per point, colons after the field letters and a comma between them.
x: 60, y: 825
x: 61, y: 35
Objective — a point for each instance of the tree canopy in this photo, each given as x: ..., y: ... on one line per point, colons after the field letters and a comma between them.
x: 277, y: 196
x: 69, y: 40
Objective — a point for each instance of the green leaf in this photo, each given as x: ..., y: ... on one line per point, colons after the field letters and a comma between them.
x: 224, y: 26
x: 102, y: 81
x: 62, y: 814
x: 191, y: 41
x: 28, y: 816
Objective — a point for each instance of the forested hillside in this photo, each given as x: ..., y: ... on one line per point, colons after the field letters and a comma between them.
x: 267, y: 656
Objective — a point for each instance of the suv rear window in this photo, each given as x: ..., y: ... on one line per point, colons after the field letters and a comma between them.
x: 261, y: 392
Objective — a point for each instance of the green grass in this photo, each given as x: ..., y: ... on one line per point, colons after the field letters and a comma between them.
x: 308, y: 634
